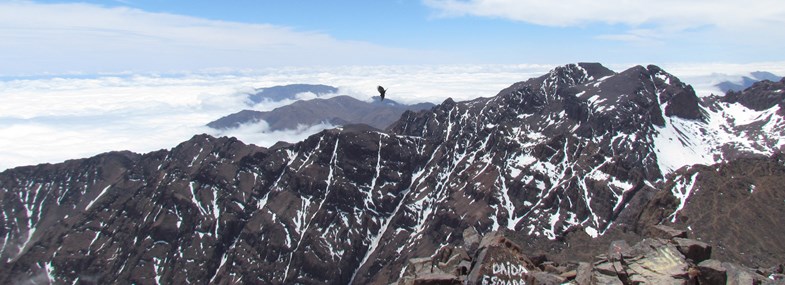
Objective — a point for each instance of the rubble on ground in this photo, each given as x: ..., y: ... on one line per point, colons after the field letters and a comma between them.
x: 668, y: 256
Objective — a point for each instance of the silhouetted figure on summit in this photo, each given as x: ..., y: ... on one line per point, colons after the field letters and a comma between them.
x: 381, y: 91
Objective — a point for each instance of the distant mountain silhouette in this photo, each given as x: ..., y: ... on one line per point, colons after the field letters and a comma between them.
x: 746, y: 81
x: 283, y: 92
x: 340, y: 110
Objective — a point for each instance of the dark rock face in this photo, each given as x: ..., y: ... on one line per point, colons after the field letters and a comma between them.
x: 665, y: 232
x: 712, y: 272
x: 340, y: 110
x: 208, y: 210
x: 694, y: 250
x: 553, y: 160
x: 685, y: 105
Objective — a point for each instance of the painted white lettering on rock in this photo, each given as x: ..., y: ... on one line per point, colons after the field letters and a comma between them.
x: 495, y: 280
x: 505, y: 274
x: 508, y: 269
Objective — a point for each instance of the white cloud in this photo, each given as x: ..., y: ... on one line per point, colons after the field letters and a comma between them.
x: 636, y: 36
x: 54, y: 119
x: 644, y: 21
x: 306, y: 96
x: 703, y: 77
x: 61, y: 38
x: 696, y: 13
x: 258, y: 133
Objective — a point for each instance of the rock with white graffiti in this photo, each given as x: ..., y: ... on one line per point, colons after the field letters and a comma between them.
x: 499, y: 261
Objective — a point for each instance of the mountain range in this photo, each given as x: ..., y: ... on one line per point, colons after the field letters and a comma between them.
x: 747, y: 81
x: 562, y: 163
x: 339, y: 110
x: 290, y: 92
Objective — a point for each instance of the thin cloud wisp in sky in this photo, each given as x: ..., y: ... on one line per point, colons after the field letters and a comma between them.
x: 674, y: 13
x: 647, y: 22
x: 78, y: 37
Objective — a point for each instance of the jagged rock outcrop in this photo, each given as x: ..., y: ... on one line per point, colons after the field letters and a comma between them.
x: 572, y: 159
x: 650, y: 261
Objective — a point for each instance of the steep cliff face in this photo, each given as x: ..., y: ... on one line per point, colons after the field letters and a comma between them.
x: 581, y: 149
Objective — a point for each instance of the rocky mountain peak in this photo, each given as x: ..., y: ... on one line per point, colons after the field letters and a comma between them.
x: 448, y: 103
x: 558, y: 79
x: 571, y: 75
x: 679, y: 98
x: 595, y: 70
x: 576, y: 73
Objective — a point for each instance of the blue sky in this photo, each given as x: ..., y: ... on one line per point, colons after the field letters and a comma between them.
x: 176, y: 35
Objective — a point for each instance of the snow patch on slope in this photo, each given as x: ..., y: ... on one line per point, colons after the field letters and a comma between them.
x: 686, y: 142
x: 679, y: 143
x: 97, y: 197
x: 682, y: 191
x: 737, y: 117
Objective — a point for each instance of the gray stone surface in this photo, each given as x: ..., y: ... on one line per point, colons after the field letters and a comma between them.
x: 696, y: 250
x: 712, y: 272
x: 666, y: 232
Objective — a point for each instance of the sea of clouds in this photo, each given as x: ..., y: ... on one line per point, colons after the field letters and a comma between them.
x: 55, y: 118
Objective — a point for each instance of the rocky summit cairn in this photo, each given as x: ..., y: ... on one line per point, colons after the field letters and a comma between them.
x: 667, y: 258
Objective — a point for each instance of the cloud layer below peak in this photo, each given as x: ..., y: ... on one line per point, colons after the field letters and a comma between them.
x: 54, y: 119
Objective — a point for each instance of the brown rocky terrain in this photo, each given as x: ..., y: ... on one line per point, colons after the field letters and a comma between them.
x: 667, y: 256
